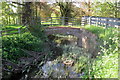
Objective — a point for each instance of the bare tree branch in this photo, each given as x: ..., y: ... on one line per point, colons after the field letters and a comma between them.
x: 18, y: 3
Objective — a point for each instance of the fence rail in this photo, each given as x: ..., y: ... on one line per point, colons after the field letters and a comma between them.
x: 101, y: 21
x: 46, y: 21
x: 53, y: 21
x: 13, y: 31
x: 60, y: 21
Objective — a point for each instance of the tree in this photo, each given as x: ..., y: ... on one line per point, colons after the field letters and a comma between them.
x: 85, y: 8
x: 7, y: 13
x: 65, y: 10
x: 27, y: 12
x: 106, y: 9
x: 43, y: 9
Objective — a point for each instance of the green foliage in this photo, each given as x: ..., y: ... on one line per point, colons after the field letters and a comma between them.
x: 12, y: 45
x: 81, y: 63
x: 106, y: 64
x: 104, y: 34
x: 77, y: 54
x: 9, y: 14
x: 106, y: 9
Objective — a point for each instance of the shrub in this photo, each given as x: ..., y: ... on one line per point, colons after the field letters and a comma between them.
x: 105, y: 65
x: 12, y: 45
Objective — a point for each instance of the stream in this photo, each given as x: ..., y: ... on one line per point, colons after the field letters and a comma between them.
x: 69, y: 63
x: 59, y: 70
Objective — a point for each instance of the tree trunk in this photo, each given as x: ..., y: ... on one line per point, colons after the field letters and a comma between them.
x: 65, y: 9
x: 27, y: 12
x: 66, y: 20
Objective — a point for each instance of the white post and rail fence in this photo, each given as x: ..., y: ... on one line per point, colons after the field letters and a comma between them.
x: 101, y: 21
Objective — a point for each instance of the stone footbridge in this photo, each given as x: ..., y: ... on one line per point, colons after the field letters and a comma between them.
x: 85, y: 40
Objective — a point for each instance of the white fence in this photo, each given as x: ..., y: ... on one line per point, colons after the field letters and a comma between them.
x: 101, y: 21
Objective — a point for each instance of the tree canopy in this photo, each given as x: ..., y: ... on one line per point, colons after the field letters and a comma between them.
x: 15, y: 12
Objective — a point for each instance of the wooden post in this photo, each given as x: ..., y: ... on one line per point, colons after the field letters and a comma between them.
x: 113, y: 22
x: 89, y: 20
x: 72, y: 21
x: 100, y: 22
x: 19, y: 30
x: 0, y: 33
x: 40, y: 20
x: 83, y: 21
x: 97, y: 21
x: 63, y: 20
x: 106, y: 23
x: 51, y: 21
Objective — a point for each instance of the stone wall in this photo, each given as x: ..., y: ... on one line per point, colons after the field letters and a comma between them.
x: 86, y: 39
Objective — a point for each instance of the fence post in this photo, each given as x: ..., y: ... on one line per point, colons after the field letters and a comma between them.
x: 97, y: 21
x: 72, y: 20
x: 63, y: 20
x: 19, y: 30
x: 51, y: 21
x: 83, y: 21
x: 40, y: 20
x: 106, y: 23
x: 118, y: 23
x: 0, y: 33
x: 100, y: 22
x: 89, y: 20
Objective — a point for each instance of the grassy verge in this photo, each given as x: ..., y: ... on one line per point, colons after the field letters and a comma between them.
x: 105, y: 65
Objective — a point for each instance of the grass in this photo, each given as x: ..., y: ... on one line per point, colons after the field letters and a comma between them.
x: 45, y: 24
x: 105, y: 65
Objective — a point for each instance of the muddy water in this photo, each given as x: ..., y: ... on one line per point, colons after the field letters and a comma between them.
x: 59, y: 70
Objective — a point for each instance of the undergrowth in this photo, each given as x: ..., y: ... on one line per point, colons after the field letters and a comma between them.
x: 12, y: 45
x: 105, y: 65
